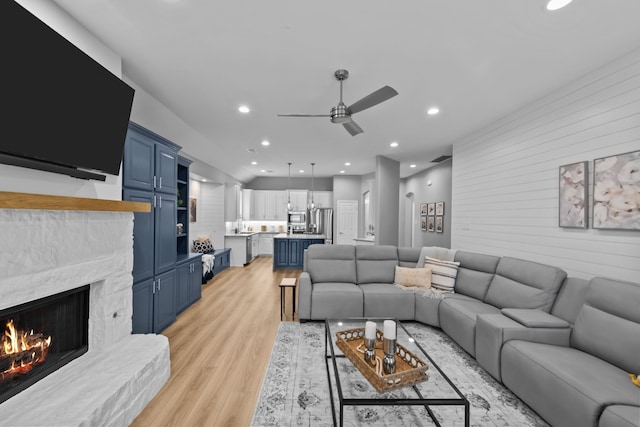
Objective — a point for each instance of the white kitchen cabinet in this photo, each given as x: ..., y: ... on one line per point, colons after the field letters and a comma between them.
x: 255, y: 245
x: 322, y: 199
x: 298, y: 200
x: 275, y: 205
x: 233, y: 203
x: 266, y: 244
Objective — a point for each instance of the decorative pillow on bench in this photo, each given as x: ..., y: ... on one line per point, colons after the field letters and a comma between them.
x: 203, y: 245
x: 413, y: 277
x: 444, y: 273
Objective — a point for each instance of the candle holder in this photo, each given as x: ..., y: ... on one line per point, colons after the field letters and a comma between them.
x: 370, y: 351
x: 389, y: 360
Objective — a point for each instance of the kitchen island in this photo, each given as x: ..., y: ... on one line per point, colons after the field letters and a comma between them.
x: 288, y: 249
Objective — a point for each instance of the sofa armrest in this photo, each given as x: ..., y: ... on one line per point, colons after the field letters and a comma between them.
x: 535, y: 318
x: 493, y: 330
x: 304, y: 296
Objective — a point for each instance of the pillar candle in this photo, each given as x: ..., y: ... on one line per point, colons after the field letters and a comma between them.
x: 370, y: 330
x: 390, y: 329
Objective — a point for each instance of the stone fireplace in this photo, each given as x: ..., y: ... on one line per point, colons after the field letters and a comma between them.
x: 47, y: 252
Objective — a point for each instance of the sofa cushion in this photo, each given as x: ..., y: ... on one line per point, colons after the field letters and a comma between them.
x: 376, y: 264
x: 408, y: 257
x: 570, y: 299
x: 443, y: 273
x: 413, y: 277
x: 608, y: 325
x: 458, y: 319
x: 387, y: 301
x: 620, y: 416
x: 331, y: 263
x: 524, y: 284
x: 427, y: 306
x: 475, y: 273
x: 336, y: 300
x: 566, y: 386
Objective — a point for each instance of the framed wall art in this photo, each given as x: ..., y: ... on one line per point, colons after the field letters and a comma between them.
x: 431, y: 209
x: 431, y: 223
x: 440, y: 208
x: 616, y: 192
x: 423, y: 223
x: 423, y: 208
x: 573, y: 196
x: 439, y: 224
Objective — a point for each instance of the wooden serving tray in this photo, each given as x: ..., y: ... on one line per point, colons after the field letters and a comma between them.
x: 410, y: 369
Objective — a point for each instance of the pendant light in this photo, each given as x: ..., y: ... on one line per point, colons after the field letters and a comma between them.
x: 312, y: 206
x: 289, y: 190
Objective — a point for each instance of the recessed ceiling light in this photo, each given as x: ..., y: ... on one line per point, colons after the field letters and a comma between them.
x: 244, y: 109
x: 262, y: 170
x: 557, y: 4
x: 394, y: 144
x: 412, y: 166
x: 254, y: 163
x: 433, y: 111
x: 204, y: 180
x: 341, y: 171
x: 301, y: 171
x: 347, y: 164
x: 265, y: 143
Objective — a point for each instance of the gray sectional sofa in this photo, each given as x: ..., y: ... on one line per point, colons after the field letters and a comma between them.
x: 564, y: 345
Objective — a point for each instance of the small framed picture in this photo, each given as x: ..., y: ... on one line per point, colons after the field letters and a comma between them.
x: 573, y: 196
x: 431, y: 223
x: 423, y: 208
x: 439, y: 224
x: 440, y: 208
x: 431, y: 209
x: 423, y: 223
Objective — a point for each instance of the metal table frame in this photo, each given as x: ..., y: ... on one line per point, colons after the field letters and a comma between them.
x: 420, y: 400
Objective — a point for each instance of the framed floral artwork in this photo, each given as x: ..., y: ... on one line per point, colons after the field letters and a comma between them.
x: 440, y: 208
x: 431, y: 209
x: 616, y: 192
x: 423, y: 208
x: 439, y: 224
x: 573, y: 197
x: 423, y: 223
x: 431, y: 223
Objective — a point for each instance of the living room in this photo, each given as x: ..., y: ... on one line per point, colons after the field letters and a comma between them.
x: 503, y: 177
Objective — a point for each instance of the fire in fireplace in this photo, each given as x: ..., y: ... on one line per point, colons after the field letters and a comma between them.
x: 21, y: 351
x: 40, y: 337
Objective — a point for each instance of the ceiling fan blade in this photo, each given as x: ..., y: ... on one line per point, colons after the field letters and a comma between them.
x: 353, y: 128
x: 372, y: 99
x: 303, y: 115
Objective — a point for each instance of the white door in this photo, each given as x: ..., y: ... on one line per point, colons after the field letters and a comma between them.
x: 347, y: 222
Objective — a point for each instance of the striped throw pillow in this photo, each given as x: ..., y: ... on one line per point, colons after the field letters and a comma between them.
x: 443, y: 273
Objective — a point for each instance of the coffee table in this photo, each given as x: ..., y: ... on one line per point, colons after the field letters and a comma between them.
x: 436, y: 391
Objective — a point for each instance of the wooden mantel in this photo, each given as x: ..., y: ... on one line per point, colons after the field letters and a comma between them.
x: 9, y: 200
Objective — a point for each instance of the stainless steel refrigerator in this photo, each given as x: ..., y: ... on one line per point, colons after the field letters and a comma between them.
x: 320, y: 221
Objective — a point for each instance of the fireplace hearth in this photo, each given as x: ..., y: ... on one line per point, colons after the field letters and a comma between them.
x: 40, y: 337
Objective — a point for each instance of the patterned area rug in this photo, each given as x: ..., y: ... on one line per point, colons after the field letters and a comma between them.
x: 295, y: 391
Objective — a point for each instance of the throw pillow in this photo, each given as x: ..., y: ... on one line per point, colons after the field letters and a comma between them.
x: 444, y: 273
x: 202, y: 245
x: 413, y: 277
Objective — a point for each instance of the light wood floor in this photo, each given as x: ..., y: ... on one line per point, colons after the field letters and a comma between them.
x: 220, y: 348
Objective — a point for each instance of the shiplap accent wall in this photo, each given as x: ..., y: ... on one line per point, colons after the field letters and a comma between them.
x: 505, y: 177
x: 210, y: 212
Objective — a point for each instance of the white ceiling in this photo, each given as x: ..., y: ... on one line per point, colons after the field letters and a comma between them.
x: 477, y: 60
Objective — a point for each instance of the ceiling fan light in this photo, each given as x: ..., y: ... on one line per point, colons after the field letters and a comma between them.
x: 339, y: 114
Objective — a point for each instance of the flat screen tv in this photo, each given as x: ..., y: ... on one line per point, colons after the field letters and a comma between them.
x: 61, y: 110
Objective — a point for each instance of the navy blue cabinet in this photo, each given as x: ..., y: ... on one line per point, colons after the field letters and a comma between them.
x: 189, y: 288
x: 222, y: 260
x: 150, y: 175
x: 289, y: 252
x: 164, y: 300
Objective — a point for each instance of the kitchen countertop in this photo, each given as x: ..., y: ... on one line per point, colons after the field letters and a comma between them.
x: 299, y: 236
x: 366, y: 239
x: 249, y: 233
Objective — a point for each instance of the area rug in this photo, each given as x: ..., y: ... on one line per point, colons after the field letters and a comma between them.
x: 295, y: 391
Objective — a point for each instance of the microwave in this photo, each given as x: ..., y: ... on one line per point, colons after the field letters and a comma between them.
x: 297, y: 218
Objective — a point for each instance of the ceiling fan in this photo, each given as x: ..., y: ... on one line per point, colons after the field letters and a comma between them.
x: 342, y: 114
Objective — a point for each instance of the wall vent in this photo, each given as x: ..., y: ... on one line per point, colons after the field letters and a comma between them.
x: 441, y: 159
